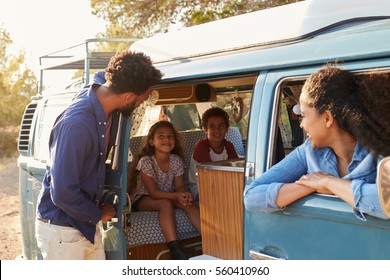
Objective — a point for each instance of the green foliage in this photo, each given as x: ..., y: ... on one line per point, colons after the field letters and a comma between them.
x: 17, y: 85
x: 145, y: 18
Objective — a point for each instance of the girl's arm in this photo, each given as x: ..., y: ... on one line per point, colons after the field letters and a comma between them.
x: 154, y: 191
x: 185, y: 198
x: 179, y: 183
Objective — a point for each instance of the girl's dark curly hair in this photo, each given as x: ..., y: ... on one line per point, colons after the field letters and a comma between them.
x: 131, y: 72
x: 215, y: 112
x: 334, y: 89
x: 148, y: 150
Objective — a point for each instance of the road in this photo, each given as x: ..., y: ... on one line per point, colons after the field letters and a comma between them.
x: 10, y: 236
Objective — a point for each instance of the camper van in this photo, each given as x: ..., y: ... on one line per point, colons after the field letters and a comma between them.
x: 253, y: 66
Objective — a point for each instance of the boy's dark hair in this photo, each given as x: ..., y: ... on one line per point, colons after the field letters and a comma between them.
x: 215, y: 112
x: 131, y: 72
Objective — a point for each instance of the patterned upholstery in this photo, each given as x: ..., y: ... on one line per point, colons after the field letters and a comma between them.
x: 145, y: 228
x: 188, y: 140
x: 135, y: 144
x: 234, y: 136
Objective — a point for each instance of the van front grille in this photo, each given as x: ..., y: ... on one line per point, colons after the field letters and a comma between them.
x: 25, y: 127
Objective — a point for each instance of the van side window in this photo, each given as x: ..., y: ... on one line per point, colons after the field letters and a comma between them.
x: 236, y: 102
x: 46, y: 118
x: 287, y: 133
x: 288, y: 122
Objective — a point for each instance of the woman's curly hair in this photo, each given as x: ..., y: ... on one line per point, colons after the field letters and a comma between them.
x: 334, y: 89
x: 373, y: 132
x: 131, y: 72
x: 359, y: 103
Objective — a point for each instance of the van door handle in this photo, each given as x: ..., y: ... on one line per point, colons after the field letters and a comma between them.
x: 258, y: 255
x: 250, y: 170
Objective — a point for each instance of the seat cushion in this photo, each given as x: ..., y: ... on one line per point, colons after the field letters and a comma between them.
x: 145, y: 228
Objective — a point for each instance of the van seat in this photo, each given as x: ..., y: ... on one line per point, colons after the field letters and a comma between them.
x: 234, y: 136
x: 145, y: 228
x: 136, y: 142
x: 187, y: 140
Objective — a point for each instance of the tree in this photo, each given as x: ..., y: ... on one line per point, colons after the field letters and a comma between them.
x: 17, y: 84
x: 145, y: 18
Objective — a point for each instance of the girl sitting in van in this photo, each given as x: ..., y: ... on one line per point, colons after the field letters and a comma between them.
x: 332, y: 160
x: 157, y: 180
x: 215, y: 123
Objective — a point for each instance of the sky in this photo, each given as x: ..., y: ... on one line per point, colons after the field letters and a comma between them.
x: 40, y: 27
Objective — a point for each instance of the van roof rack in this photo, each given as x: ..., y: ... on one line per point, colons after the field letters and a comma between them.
x: 280, y: 25
x: 79, y: 57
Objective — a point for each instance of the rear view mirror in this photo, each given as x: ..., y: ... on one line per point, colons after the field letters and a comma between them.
x: 384, y: 184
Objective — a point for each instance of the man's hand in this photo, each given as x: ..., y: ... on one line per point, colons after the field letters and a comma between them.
x: 108, y: 211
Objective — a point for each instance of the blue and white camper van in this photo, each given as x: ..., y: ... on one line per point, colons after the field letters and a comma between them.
x: 253, y: 66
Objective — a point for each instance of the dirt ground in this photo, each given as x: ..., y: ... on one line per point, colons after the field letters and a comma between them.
x: 10, y: 236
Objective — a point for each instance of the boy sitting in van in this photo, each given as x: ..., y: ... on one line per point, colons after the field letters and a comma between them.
x: 215, y: 122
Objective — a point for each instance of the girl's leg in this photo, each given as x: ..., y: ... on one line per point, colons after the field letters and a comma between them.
x: 167, y: 224
x: 166, y: 217
x: 193, y: 214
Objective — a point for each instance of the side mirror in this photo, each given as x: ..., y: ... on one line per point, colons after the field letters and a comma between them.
x: 383, y: 180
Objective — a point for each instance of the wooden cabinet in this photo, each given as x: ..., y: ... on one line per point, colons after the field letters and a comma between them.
x: 221, y: 186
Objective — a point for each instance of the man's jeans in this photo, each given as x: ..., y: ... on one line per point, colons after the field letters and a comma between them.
x: 67, y: 243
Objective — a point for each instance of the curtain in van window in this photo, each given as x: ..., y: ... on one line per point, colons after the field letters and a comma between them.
x: 139, y: 127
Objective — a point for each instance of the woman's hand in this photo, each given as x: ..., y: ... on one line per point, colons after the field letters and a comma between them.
x: 317, y: 180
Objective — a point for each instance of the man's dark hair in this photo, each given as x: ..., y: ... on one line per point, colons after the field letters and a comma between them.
x: 131, y: 72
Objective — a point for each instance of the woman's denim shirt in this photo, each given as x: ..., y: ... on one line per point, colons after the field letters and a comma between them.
x: 261, y: 194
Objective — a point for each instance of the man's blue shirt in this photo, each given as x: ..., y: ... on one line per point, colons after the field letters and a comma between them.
x: 74, y: 179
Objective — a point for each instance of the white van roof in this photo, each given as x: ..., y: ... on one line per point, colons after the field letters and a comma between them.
x: 283, y: 24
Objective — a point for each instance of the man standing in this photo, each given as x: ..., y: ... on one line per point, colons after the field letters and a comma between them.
x: 69, y: 207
